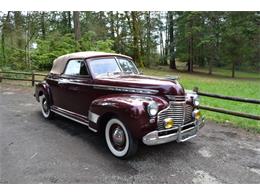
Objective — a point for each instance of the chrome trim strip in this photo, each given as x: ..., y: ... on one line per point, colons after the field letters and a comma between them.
x: 64, y: 115
x: 92, y: 129
x: 113, y: 88
x: 126, y: 89
x: 71, y: 118
x: 93, y: 117
x: 70, y: 112
x: 52, y: 79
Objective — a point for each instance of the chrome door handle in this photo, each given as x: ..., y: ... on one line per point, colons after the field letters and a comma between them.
x: 62, y: 81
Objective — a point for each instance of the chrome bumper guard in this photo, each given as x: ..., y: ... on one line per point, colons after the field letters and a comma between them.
x: 181, y: 133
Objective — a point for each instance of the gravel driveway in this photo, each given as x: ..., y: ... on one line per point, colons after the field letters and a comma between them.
x: 34, y: 150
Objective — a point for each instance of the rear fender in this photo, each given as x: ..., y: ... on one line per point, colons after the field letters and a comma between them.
x: 43, y: 88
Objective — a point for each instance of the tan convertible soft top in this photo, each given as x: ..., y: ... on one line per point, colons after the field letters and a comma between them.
x: 60, y: 62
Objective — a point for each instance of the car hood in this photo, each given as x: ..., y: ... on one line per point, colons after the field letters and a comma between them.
x: 163, y: 86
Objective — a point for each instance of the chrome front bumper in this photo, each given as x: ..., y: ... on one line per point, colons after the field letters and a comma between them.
x: 180, y: 134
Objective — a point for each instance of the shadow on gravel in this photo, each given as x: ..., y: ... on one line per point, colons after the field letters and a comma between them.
x: 159, y: 153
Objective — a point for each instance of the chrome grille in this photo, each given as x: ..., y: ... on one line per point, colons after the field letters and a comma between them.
x: 188, y: 113
x: 180, y: 112
x: 176, y: 98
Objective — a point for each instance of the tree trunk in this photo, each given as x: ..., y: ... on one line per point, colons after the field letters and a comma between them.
x: 3, y: 47
x: 210, y: 65
x: 18, y: 29
x: 163, y: 51
x: 192, y: 54
x: 166, y: 43
x: 171, y: 36
x: 190, y: 59
x: 140, y: 37
x: 76, y: 25
x: 148, y: 40
x: 118, y: 40
x: 69, y: 22
x: 5, y: 28
x: 43, y: 25
x: 137, y: 54
x: 112, y: 24
x: 233, y: 70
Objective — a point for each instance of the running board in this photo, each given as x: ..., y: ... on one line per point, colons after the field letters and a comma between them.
x: 66, y: 114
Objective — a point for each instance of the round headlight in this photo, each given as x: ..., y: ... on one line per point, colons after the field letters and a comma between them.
x: 196, y: 102
x: 152, y: 108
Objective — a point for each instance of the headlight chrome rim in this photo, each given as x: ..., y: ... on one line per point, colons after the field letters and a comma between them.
x: 152, y: 109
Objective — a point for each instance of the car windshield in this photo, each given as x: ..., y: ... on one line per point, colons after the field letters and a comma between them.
x: 104, y: 67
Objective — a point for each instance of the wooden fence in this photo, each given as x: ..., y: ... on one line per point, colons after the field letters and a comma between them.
x: 224, y: 111
x: 31, y: 77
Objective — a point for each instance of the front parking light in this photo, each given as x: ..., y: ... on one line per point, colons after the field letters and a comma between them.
x: 168, y: 123
x: 196, y: 114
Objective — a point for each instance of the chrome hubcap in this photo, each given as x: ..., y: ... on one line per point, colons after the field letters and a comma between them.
x: 118, y: 137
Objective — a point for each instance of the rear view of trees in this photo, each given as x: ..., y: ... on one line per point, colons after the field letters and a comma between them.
x: 31, y: 40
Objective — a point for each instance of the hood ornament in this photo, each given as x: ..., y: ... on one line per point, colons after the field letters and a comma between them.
x: 172, y: 78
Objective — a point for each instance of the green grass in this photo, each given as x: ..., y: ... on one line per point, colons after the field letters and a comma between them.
x: 241, y: 87
x: 228, y: 73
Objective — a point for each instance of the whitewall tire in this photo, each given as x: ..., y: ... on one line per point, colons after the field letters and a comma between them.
x: 119, y: 139
x: 45, y: 108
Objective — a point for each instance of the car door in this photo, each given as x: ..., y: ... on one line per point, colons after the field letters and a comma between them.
x: 75, y: 84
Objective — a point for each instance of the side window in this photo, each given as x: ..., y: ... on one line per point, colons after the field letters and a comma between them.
x: 76, y: 68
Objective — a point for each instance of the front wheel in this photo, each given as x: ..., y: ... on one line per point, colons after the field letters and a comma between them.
x: 119, y: 139
x: 45, y: 107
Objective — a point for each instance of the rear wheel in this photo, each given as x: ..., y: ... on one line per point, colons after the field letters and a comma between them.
x: 119, y: 139
x: 45, y: 107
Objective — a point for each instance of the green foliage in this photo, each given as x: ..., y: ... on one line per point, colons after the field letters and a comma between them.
x: 241, y: 39
x: 89, y: 42
x: 56, y: 45
x: 219, y: 38
x: 213, y: 39
x: 53, y: 46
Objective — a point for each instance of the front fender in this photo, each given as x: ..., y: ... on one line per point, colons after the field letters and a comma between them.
x: 131, y: 109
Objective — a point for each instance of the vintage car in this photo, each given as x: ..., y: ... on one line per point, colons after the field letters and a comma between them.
x: 107, y: 93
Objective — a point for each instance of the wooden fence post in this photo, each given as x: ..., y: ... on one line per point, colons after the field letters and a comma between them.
x: 33, y: 78
x: 196, y: 89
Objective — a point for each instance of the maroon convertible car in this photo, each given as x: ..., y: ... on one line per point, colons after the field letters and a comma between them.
x: 106, y: 92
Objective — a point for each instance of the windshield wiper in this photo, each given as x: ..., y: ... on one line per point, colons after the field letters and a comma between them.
x: 128, y: 72
x: 115, y: 73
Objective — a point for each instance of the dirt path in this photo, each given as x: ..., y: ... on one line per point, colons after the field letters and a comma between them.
x: 33, y: 150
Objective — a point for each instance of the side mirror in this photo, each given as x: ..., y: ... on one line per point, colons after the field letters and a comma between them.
x: 141, y: 73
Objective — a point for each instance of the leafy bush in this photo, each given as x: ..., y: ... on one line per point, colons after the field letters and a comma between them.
x: 56, y: 45
x: 50, y: 48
